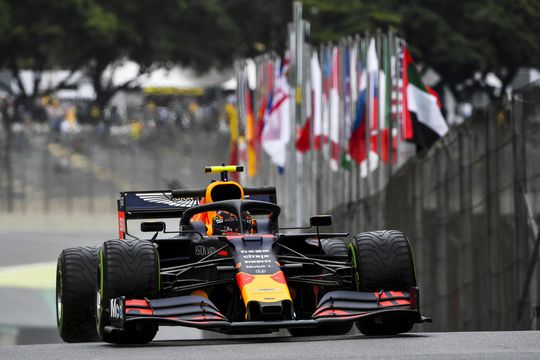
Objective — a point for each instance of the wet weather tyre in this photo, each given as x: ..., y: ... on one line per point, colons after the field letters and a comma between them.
x: 127, y: 268
x: 331, y: 247
x: 334, y: 247
x: 383, y: 260
x: 76, y: 272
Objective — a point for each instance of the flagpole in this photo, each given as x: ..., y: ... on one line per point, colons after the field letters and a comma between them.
x: 388, y: 95
x: 319, y: 156
x: 324, y: 147
x: 296, y: 165
x: 345, y: 128
x: 390, y: 75
x: 397, y: 112
x: 361, y: 59
x: 322, y: 152
x: 378, y: 172
x: 354, y: 96
x: 352, y: 82
x: 369, y: 110
x: 399, y: 101
x: 307, y: 179
x: 356, y: 166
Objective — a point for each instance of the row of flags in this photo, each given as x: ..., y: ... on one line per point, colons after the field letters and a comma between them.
x: 361, y: 101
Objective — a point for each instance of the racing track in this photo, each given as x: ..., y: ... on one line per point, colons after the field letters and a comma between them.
x: 473, y: 345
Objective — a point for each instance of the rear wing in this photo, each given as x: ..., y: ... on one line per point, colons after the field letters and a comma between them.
x: 159, y: 204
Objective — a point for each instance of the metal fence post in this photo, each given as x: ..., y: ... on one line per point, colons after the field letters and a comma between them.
x: 520, y: 211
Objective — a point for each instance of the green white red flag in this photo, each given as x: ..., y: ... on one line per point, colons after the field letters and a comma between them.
x: 423, y: 122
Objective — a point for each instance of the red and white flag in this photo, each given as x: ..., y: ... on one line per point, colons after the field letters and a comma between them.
x: 316, y: 93
x: 334, y: 111
x: 276, y: 132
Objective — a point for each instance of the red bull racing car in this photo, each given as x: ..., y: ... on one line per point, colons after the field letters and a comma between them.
x: 225, y: 265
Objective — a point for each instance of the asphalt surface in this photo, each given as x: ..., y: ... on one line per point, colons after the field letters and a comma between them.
x: 481, y: 345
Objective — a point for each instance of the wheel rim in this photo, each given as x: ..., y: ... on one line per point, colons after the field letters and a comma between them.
x: 98, y: 293
x: 59, y: 298
x: 98, y: 305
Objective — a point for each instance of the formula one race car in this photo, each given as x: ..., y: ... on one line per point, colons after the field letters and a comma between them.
x: 229, y: 268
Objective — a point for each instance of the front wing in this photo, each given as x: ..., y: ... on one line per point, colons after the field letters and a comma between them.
x: 200, y: 312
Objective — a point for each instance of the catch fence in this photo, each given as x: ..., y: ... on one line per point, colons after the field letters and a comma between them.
x: 471, y: 208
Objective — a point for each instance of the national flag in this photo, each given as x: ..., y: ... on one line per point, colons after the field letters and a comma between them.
x: 250, y: 135
x: 346, y: 161
x: 232, y: 116
x: 383, y: 118
x: 277, y: 122
x: 260, y: 120
x: 269, y: 74
x: 373, y: 73
x: 326, y: 96
x: 373, y: 94
x: 304, y: 137
x: 357, y: 140
x: 353, y: 64
x: 316, y: 96
x: 334, y: 111
x: 424, y: 122
x: 345, y: 157
x: 388, y: 135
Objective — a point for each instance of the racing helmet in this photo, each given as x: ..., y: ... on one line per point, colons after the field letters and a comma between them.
x: 225, y: 223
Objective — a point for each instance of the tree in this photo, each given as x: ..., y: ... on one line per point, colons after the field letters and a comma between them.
x: 261, y: 24
x: 463, y: 40
x: 331, y: 20
x: 149, y: 33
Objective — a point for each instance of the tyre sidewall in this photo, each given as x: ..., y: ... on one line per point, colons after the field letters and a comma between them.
x: 105, y: 292
x: 74, y: 284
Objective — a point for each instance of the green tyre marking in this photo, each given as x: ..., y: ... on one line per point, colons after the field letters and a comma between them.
x: 355, y: 264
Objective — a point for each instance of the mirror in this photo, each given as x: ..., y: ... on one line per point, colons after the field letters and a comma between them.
x: 154, y: 226
x: 320, y: 220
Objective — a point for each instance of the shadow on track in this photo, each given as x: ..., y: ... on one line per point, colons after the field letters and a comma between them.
x: 261, y: 340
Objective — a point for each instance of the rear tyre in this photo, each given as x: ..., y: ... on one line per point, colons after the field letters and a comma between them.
x: 76, y: 272
x: 383, y: 260
x: 331, y: 247
x: 127, y: 268
x: 334, y: 247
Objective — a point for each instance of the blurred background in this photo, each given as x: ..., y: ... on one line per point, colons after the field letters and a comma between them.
x: 98, y: 97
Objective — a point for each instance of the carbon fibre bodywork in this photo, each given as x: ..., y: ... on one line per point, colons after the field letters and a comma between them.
x: 199, y: 312
x: 268, y: 273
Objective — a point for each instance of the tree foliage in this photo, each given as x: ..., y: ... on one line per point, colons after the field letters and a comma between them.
x: 93, y: 35
x: 463, y: 40
x: 331, y: 20
x: 466, y: 40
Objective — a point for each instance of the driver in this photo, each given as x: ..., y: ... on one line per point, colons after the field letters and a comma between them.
x: 225, y: 223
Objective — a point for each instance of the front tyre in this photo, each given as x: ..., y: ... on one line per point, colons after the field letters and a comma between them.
x: 76, y: 272
x: 383, y: 260
x: 127, y: 268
